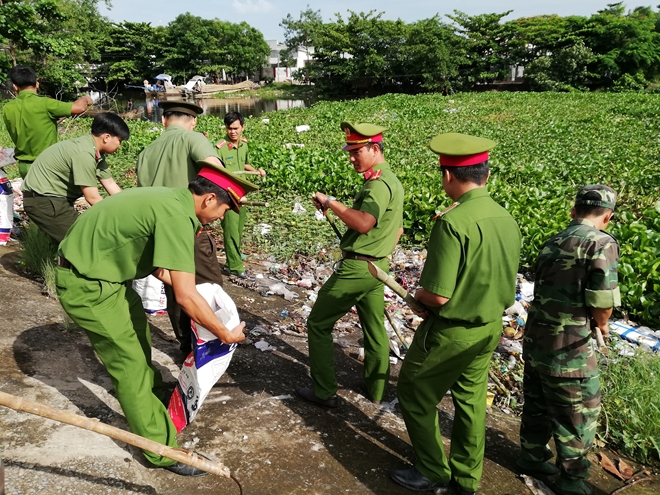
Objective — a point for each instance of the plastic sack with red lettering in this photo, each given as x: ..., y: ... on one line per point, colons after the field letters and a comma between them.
x: 207, y: 362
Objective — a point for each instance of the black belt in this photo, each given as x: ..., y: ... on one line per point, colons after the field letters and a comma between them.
x: 30, y: 194
x: 361, y: 257
x: 63, y: 262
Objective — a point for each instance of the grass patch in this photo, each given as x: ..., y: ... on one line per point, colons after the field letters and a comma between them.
x: 631, y: 406
x: 38, y: 257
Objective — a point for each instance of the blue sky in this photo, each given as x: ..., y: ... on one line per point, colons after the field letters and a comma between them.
x: 266, y: 15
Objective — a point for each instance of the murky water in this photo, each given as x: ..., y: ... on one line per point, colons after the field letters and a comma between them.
x: 248, y: 106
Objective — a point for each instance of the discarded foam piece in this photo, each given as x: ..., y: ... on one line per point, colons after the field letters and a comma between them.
x: 636, y: 335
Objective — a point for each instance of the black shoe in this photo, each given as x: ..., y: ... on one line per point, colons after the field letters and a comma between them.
x: 308, y: 395
x: 184, y: 470
x: 243, y: 275
x: 463, y: 491
x: 416, y: 481
x: 365, y: 391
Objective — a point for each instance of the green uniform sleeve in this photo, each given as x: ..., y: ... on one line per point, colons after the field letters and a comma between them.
x: 83, y: 166
x: 199, y: 147
x: 57, y: 109
x: 376, y: 198
x: 602, y: 290
x: 443, y: 262
x: 102, y: 170
x: 174, y: 240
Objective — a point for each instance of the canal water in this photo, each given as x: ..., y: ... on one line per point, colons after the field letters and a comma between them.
x: 248, y: 106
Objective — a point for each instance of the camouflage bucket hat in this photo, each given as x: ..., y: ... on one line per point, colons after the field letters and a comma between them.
x: 596, y: 195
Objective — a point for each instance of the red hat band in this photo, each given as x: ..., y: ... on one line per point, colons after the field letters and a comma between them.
x: 463, y: 160
x: 355, y: 138
x: 234, y: 188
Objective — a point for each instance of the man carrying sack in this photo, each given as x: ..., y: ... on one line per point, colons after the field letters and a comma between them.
x: 130, y: 235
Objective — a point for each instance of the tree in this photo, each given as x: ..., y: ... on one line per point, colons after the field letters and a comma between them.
x: 59, y: 38
x: 564, y: 70
x: 486, y: 50
x: 302, y: 33
x: 131, y: 54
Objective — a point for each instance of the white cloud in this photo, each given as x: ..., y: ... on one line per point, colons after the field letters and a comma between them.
x: 252, y: 6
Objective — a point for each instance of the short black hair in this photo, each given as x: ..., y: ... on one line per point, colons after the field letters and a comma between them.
x: 23, y: 76
x: 478, y: 173
x: 232, y: 117
x: 111, y: 123
x: 201, y: 185
x: 591, y: 210
x: 177, y: 115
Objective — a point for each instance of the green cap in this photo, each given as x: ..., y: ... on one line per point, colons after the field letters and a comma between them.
x: 357, y: 135
x: 236, y: 186
x: 460, y: 150
x: 181, y: 107
x: 596, y: 195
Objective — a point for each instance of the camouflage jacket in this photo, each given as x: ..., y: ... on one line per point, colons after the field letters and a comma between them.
x: 575, y: 270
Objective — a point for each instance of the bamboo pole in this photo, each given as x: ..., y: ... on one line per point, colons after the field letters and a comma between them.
x: 180, y: 455
x: 247, y: 172
x: 254, y: 203
x: 387, y: 279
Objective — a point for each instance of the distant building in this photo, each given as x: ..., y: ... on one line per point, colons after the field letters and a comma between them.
x: 280, y: 73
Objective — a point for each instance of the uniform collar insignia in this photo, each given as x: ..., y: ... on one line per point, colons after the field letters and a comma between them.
x: 98, y: 155
x: 372, y: 174
x: 446, y: 210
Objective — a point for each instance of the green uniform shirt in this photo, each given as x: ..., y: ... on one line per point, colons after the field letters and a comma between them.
x: 31, y: 121
x: 473, y: 257
x: 170, y: 161
x: 234, y: 157
x: 381, y: 196
x: 65, y: 167
x: 576, y: 270
x: 129, y: 235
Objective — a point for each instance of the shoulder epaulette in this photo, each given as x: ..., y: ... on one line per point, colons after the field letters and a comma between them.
x: 243, y: 139
x: 220, y: 144
x: 446, y: 210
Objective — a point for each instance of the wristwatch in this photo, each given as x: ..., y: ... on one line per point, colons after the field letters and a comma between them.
x: 328, y: 199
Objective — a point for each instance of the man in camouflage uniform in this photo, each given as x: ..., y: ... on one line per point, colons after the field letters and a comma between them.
x: 575, y: 291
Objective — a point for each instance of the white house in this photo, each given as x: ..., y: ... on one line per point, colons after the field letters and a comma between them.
x: 275, y: 69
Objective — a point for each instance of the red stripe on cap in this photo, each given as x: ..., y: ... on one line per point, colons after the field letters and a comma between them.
x: 463, y: 160
x: 355, y: 138
x: 222, y: 180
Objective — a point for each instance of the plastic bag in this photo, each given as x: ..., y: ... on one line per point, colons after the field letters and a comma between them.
x: 6, y: 208
x: 207, y: 362
x: 152, y: 292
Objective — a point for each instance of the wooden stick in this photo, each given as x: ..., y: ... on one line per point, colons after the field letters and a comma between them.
x: 601, y: 343
x: 392, y: 284
x: 247, y: 172
x: 329, y: 217
x: 180, y: 455
x: 396, y: 330
x: 254, y: 203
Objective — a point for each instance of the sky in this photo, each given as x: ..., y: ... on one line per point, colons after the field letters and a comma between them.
x: 266, y: 15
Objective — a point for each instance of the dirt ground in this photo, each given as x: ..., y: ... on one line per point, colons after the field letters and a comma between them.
x: 251, y: 421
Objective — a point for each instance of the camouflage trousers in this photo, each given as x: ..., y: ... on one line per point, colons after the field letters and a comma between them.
x: 563, y: 408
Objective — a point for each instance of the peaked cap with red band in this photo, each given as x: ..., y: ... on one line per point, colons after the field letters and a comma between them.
x: 357, y: 135
x: 236, y: 186
x: 460, y: 150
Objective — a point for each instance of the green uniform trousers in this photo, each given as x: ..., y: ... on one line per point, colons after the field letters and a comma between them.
x: 350, y: 285
x: 440, y: 358
x: 112, y: 316
x: 207, y: 270
x: 232, y: 231
x: 566, y: 409
x: 23, y: 167
x: 52, y: 214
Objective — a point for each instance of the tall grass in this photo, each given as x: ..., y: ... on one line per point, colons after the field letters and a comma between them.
x: 38, y: 256
x: 631, y: 406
